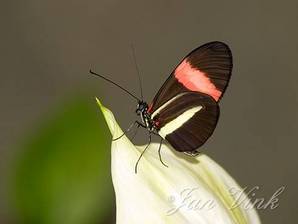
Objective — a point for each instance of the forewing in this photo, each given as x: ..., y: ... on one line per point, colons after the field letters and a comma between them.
x: 187, y: 120
x: 206, y: 69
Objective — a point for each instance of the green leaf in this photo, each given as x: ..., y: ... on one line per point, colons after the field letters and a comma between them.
x: 63, y: 174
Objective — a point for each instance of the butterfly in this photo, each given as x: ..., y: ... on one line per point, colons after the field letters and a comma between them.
x: 185, y: 110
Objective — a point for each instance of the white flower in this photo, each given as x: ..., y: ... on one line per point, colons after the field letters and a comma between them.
x: 189, y: 191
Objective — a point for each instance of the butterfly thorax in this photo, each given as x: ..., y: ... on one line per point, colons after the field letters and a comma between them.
x: 142, y: 111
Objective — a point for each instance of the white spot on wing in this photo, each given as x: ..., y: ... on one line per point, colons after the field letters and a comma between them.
x: 166, y: 104
x: 178, y: 121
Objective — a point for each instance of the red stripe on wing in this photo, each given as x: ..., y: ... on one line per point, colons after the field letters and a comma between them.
x: 196, y: 80
x: 150, y: 107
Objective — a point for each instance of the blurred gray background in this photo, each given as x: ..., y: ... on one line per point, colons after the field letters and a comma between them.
x: 48, y: 47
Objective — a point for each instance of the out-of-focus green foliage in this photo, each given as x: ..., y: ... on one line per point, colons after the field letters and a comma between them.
x: 63, y: 173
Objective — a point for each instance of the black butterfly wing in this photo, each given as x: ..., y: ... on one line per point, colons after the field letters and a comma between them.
x: 207, y: 69
x: 187, y: 120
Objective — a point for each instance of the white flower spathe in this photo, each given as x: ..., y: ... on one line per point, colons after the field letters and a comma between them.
x: 189, y: 191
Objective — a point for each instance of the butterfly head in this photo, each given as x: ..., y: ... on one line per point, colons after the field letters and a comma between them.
x: 142, y: 111
x: 141, y: 107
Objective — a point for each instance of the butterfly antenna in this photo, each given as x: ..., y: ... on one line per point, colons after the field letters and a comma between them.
x: 110, y: 81
x: 138, y: 70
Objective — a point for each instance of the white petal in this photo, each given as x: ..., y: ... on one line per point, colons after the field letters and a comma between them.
x: 157, y: 194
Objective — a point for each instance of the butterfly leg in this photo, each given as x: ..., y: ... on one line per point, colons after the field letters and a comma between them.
x: 128, y: 130
x: 134, y: 133
x: 139, y: 124
x: 149, y: 142
x: 159, y: 152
